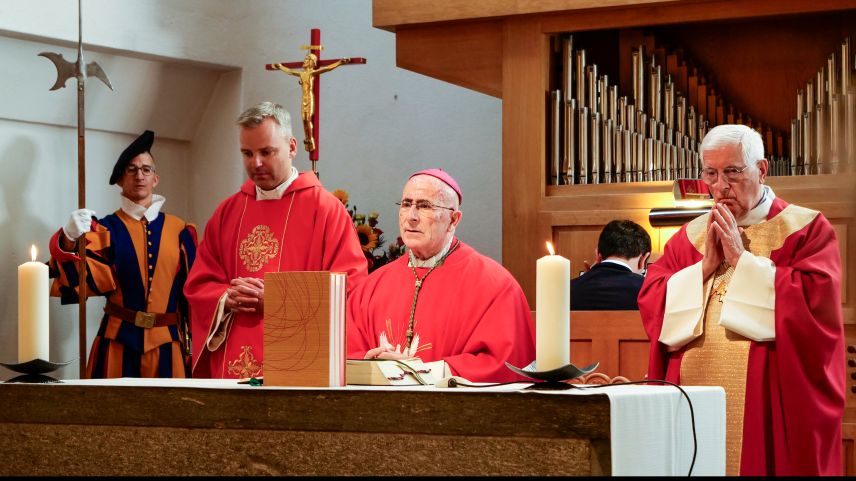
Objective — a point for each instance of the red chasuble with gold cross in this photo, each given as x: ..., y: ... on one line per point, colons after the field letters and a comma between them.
x: 306, y: 230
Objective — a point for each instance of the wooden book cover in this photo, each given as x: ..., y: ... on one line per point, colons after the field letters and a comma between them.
x: 304, y: 329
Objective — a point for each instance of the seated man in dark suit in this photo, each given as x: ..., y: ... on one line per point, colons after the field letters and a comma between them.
x: 614, y: 281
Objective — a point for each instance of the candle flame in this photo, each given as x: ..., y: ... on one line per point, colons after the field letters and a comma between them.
x: 33, y: 252
x: 550, y: 248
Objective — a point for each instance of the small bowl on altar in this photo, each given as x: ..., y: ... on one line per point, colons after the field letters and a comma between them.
x: 34, y: 371
x: 554, y: 377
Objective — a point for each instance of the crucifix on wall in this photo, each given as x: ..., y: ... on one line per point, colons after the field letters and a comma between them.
x: 309, y: 74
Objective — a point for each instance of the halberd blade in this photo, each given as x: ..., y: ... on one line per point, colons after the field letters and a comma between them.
x: 64, y: 69
x: 95, y: 70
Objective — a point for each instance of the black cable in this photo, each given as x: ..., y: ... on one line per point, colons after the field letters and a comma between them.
x: 686, y: 396
x: 455, y: 383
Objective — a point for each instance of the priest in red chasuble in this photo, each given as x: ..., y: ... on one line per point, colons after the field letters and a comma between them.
x: 748, y: 297
x: 443, y: 300
x: 280, y: 220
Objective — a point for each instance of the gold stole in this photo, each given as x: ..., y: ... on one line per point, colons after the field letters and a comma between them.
x: 719, y: 357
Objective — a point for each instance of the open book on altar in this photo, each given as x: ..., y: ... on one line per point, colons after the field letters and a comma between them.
x: 304, y: 329
x: 393, y: 372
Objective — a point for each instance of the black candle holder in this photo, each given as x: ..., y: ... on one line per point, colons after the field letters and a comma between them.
x: 552, y: 380
x: 34, y: 372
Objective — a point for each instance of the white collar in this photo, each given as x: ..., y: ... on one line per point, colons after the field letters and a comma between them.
x: 138, y: 211
x: 277, y: 192
x: 759, y: 213
x: 416, y: 262
x: 616, y: 261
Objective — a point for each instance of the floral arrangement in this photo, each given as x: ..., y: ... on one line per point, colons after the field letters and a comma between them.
x: 371, y: 237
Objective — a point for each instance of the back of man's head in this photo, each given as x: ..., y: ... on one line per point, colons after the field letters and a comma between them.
x: 623, y: 238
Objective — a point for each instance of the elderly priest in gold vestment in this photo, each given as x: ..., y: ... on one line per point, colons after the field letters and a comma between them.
x: 749, y: 297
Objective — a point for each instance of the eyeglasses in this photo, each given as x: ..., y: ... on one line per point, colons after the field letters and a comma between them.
x: 731, y: 174
x: 422, y: 206
x: 132, y: 170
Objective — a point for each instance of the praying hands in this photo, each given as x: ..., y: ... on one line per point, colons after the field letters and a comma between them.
x: 724, y: 240
x: 246, y: 295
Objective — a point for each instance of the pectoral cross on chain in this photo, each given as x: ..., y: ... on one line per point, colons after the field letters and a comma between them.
x: 309, y: 72
x: 722, y: 287
x: 720, y: 291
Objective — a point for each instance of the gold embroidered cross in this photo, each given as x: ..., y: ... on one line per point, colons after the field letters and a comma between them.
x: 246, y: 365
x: 258, y: 248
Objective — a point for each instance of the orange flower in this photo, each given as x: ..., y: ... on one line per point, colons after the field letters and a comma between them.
x: 368, y: 237
x: 341, y: 195
x: 371, y: 238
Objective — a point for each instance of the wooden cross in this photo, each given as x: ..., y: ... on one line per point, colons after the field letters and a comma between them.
x: 310, y: 72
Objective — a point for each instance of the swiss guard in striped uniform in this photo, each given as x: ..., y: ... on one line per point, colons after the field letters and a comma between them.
x: 138, y: 257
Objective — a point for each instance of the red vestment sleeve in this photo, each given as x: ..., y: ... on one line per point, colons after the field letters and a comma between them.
x: 802, y: 373
x: 206, y: 282
x: 504, y: 334
x: 358, y: 340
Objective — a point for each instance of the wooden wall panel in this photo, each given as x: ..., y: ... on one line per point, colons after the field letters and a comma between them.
x: 468, y: 55
x: 524, y: 83
x: 616, y: 339
x: 636, y: 15
x: 581, y: 353
x: 391, y: 14
x: 848, y: 454
x: 588, y: 14
x: 850, y: 382
x: 633, y: 359
x: 848, y: 431
x: 578, y: 244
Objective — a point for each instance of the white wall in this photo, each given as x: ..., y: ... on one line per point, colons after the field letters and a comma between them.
x: 38, y: 155
x: 378, y: 122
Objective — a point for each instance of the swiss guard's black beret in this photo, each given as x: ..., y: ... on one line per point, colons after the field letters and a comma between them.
x: 143, y: 143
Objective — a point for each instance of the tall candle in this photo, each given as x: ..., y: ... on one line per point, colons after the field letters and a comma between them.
x: 552, y: 316
x: 32, y: 310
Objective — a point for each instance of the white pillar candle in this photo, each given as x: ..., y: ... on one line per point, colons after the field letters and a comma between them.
x: 552, y: 312
x: 33, y: 295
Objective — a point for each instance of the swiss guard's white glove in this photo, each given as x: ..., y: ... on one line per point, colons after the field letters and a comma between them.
x: 78, y: 224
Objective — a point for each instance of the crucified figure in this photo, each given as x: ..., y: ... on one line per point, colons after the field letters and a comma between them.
x: 307, y: 80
